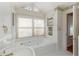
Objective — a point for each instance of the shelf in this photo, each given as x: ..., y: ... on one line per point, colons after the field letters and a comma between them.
x: 50, y: 26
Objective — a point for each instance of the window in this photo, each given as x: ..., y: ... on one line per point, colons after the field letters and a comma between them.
x: 24, y: 27
x: 24, y: 22
x: 39, y: 23
x: 24, y: 32
x: 38, y: 31
x: 38, y: 27
x: 27, y: 27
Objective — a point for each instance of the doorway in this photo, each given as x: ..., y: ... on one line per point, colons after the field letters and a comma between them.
x: 70, y: 32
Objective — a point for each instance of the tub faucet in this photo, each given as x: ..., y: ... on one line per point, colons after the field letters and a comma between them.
x: 21, y: 43
x: 29, y: 41
x: 3, y: 51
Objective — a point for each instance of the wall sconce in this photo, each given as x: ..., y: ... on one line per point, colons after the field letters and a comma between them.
x: 5, y: 29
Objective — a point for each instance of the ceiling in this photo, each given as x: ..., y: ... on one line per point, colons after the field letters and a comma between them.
x: 45, y: 7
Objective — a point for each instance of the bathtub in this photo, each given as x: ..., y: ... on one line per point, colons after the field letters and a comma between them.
x: 20, y: 51
x: 17, y: 51
x: 40, y: 45
x: 36, y: 42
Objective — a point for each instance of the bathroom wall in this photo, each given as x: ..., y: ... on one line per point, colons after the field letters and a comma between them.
x: 53, y: 14
x: 57, y: 14
x: 6, y: 19
x: 59, y: 27
x: 59, y: 18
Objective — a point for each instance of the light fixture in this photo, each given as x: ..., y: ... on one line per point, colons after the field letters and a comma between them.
x: 28, y: 8
x: 31, y: 8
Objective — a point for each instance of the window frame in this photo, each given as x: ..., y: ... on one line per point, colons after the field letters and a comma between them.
x: 33, y: 34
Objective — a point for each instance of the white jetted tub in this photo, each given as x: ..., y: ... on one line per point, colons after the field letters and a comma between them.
x: 18, y: 51
x: 11, y: 48
x: 36, y: 42
x: 41, y: 45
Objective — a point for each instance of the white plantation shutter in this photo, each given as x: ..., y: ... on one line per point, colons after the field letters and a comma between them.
x: 27, y: 27
x: 24, y: 27
x: 38, y: 27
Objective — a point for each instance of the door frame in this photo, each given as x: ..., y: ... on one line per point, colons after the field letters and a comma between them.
x: 74, y: 10
x: 67, y: 28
